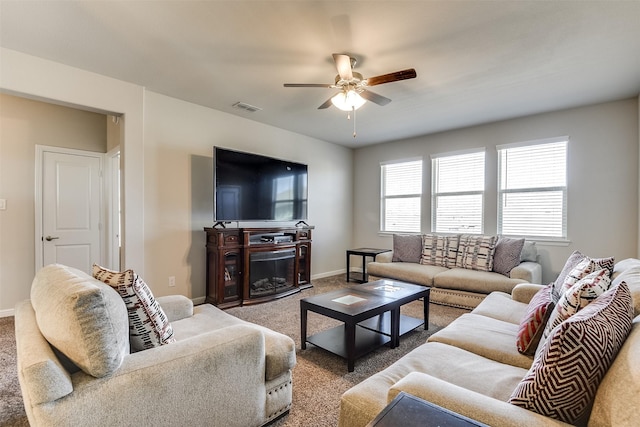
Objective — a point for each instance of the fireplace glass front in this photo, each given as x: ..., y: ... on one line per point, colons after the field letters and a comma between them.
x: 271, y: 272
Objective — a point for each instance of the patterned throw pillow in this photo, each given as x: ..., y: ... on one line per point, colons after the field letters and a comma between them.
x: 148, y: 324
x: 453, y: 245
x: 578, y: 297
x: 533, y: 323
x: 507, y: 255
x: 563, y: 380
x: 476, y: 252
x: 577, y: 267
x: 439, y: 250
x: 407, y: 248
x: 573, y: 260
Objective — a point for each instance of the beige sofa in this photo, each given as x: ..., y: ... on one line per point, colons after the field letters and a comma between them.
x: 472, y: 367
x: 220, y: 371
x: 457, y: 287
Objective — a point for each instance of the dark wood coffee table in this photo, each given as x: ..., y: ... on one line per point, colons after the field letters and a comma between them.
x: 371, y: 316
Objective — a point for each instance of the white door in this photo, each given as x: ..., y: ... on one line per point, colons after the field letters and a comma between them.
x: 70, y: 208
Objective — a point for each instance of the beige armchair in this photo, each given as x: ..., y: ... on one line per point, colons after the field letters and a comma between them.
x: 220, y: 371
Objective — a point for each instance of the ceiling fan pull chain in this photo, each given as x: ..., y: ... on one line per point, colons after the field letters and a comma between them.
x: 354, y: 121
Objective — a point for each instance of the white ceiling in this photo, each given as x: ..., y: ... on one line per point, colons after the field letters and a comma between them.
x: 477, y: 61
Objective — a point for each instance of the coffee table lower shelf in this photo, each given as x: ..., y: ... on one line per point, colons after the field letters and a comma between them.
x: 334, y: 341
x: 382, y: 324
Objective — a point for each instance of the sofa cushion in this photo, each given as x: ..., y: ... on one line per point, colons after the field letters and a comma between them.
x: 148, y: 324
x: 476, y: 252
x: 487, y: 337
x: 407, y: 247
x: 533, y: 323
x: 82, y: 317
x: 360, y: 404
x: 577, y: 297
x: 564, y: 377
x: 483, y: 282
x: 406, y: 271
x: 501, y: 306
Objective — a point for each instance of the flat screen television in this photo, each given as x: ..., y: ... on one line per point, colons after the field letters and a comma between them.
x: 251, y: 187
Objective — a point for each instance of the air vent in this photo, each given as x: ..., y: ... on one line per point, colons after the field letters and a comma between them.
x: 248, y: 107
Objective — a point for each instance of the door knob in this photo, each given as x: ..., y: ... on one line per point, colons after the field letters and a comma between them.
x: 49, y: 238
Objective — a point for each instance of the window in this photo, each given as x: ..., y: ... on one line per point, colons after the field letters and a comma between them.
x: 532, y: 189
x: 457, y: 193
x: 401, y: 196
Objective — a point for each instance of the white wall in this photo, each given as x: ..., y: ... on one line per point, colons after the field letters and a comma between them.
x: 602, y: 177
x: 178, y: 155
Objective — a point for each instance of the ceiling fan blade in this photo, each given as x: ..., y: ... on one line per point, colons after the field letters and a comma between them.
x: 409, y: 73
x: 343, y: 65
x: 326, y: 104
x: 309, y: 85
x: 375, y: 98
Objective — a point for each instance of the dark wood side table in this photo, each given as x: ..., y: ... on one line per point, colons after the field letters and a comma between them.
x: 364, y: 252
x: 407, y: 410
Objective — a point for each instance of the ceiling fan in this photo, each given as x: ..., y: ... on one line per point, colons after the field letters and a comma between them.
x: 353, y: 87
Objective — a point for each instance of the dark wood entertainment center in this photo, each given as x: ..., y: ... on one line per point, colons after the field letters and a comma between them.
x: 254, y: 265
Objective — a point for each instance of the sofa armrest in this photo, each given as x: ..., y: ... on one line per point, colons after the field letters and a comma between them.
x: 384, y: 257
x: 523, y: 292
x: 488, y: 410
x: 527, y: 270
x: 42, y: 376
x: 176, y: 307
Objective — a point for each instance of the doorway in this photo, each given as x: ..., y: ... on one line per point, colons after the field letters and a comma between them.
x: 69, y: 207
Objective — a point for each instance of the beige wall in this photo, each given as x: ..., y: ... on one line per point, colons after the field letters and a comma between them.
x: 47, y: 80
x: 178, y: 158
x: 602, y: 177
x: 158, y: 196
x: 24, y: 124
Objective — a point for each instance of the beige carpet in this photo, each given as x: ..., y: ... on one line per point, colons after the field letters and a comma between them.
x: 319, y: 378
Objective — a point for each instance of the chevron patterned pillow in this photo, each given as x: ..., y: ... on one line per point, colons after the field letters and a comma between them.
x: 564, y: 377
x: 148, y: 324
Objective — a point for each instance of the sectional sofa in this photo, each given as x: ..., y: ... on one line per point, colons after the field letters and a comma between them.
x: 585, y: 371
x: 460, y: 269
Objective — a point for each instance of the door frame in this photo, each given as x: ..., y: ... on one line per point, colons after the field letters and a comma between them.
x: 112, y: 208
x: 40, y: 150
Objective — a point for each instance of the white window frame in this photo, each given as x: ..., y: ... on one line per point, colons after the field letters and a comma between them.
x: 409, y: 195
x: 558, y: 188
x: 436, y: 194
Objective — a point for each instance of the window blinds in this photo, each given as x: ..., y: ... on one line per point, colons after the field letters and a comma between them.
x: 458, y: 193
x: 401, y: 196
x: 532, y: 189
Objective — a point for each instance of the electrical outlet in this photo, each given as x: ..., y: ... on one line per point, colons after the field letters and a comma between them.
x: 172, y: 281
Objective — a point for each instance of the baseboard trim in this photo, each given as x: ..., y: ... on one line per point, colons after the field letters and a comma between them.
x: 328, y: 274
x: 198, y: 301
x: 7, y: 313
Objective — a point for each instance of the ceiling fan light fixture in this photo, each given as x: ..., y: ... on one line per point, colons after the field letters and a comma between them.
x: 348, y: 100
